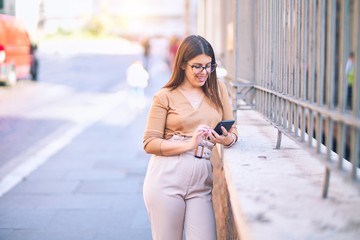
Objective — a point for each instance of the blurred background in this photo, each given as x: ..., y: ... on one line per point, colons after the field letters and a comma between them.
x: 77, y: 78
x: 134, y: 19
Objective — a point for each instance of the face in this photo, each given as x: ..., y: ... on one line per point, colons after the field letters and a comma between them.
x: 195, y: 74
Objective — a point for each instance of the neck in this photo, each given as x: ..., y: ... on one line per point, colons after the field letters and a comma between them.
x: 190, y: 88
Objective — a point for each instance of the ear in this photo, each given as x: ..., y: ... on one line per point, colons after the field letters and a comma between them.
x: 183, y: 66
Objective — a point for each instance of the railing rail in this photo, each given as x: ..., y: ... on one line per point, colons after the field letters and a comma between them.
x: 301, y: 80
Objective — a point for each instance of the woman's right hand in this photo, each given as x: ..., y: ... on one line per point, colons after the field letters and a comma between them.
x: 199, y: 135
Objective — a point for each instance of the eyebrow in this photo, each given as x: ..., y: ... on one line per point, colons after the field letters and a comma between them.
x: 200, y: 63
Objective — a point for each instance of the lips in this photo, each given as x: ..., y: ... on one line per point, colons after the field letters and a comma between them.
x: 201, y: 78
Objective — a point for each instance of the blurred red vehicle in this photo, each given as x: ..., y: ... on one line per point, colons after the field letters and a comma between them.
x: 17, y: 54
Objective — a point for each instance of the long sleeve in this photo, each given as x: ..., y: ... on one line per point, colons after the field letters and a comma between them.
x: 171, y: 113
x: 154, y: 133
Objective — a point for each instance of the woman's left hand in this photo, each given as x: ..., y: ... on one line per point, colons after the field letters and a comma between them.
x: 225, y: 139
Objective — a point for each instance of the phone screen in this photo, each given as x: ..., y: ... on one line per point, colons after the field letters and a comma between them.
x: 225, y: 123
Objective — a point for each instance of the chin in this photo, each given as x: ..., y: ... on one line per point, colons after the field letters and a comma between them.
x: 201, y: 84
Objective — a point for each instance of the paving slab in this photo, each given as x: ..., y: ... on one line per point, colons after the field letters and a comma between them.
x: 90, y: 189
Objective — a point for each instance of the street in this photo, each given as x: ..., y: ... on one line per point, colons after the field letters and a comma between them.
x: 71, y: 157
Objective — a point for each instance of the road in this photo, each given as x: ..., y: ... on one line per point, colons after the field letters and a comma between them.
x: 70, y: 146
x: 74, y: 89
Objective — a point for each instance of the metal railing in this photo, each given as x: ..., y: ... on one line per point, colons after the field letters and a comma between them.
x: 301, y: 81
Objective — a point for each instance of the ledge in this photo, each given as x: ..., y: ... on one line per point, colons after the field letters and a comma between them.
x: 276, y: 194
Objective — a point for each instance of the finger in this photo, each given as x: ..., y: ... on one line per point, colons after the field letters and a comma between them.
x: 203, y: 128
x: 224, y: 131
x: 199, y: 133
x: 214, y: 136
x: 211, y: 137
x: 214, y: 133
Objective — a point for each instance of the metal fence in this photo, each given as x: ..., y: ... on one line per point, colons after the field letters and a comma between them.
x: 305, y: 81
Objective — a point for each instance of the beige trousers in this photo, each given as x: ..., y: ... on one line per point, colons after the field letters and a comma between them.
x: 178, y: 197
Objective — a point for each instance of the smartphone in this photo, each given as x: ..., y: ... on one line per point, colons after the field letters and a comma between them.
x: 225, y: 123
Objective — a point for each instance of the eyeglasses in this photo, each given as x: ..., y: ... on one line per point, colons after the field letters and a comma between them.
x: 199, y: 68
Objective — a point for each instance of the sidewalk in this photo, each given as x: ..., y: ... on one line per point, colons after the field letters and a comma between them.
x: 91, y: 189
x: 277, y: 193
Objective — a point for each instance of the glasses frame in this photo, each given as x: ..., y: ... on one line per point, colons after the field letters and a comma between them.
x: 213, y: 67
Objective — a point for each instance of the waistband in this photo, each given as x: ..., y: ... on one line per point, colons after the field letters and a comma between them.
x: 203, y: 151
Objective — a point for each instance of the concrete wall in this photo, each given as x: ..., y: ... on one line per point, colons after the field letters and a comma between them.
x: 222, y: 206
x: 277, y: 193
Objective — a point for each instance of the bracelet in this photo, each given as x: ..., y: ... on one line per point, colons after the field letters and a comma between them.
x: 232, y: 142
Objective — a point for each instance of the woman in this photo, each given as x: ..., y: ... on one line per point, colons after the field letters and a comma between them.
x: 180, y: 136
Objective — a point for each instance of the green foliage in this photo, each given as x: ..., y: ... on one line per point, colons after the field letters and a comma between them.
x: 95, y: 26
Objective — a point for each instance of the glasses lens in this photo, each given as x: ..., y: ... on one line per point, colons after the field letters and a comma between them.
x: 198, y: 68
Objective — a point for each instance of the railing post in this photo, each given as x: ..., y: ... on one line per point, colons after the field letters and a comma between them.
x: 278, y: 141
x: 326, y: 183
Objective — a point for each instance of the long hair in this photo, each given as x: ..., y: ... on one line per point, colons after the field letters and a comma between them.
x: 189, y: 48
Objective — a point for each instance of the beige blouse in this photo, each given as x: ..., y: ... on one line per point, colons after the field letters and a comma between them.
x: 172, y: 113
